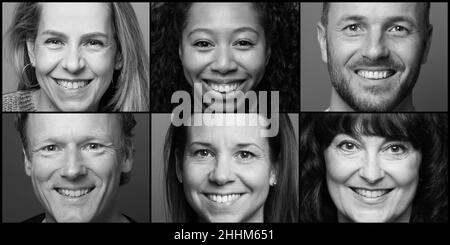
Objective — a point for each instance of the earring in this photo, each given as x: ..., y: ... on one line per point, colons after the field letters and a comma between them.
x: 273, y: 182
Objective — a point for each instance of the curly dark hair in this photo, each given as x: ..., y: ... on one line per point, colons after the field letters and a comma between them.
x: 427, y: 133
x: 281, y: 23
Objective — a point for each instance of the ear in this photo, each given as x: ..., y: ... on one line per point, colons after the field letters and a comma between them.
x: 127, y: 162
x: 31, y: 55
x: 27, y: 163
x: 178, y: 168
x: 118, y: 61
x: 322, y: 38
x: 273, y: 176
x: 427, y: 44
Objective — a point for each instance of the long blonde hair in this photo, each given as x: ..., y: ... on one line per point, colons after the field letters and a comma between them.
x: 129, y: 90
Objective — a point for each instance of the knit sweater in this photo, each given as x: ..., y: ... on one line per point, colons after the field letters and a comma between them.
x: 18, y: 101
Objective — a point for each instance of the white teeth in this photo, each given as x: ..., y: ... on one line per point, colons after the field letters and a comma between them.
x: 373, y: 74
x: 369, y: 193
x: 224, y: 88
x: 223, y: 199
x: 73, y: 193
x: 72, y: 84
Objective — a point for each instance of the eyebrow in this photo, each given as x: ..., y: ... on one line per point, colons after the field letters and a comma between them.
x: 393, y: 19
x: 238, y: 30
x: 239, y: 145
x: 84, y: 36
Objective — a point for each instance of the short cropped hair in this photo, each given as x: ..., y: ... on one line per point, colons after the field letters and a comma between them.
x: 127, y: 123
x: 428, y: 133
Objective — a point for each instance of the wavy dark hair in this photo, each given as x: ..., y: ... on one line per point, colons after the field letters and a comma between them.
x: 281, y: 204
x: 281, y: 22
x: 428, y: 133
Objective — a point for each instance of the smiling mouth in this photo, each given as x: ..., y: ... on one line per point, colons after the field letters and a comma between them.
x: 375, y: 75
x: 375, y: 193
x: 224, y: 87
x: 74, y: 193
x: 72, y: 84
x: 227, y: 199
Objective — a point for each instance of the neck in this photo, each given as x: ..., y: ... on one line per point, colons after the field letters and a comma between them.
x: 338, y: 104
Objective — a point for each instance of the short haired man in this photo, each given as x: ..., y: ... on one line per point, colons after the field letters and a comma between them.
x: 374, y: 52
x: 76, y: 163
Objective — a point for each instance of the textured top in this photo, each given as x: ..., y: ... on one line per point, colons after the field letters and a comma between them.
x: 18, y: 101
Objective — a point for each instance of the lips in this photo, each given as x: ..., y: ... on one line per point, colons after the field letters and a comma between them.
x: 371, y: 193
x: 73, y: 84
x: 224, y: 86
x: 74, y: 193
x: 375, y: 74
x: 223, y: 199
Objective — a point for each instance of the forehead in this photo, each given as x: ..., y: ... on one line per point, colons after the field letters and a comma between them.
x: 375, y: 10
x: 75, y: 16
x: 72, y: 125
x: 222, y: 14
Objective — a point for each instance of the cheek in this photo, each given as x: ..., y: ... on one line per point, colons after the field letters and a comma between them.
x: 46, y: 60
x: 338, y: 168
x: 408, y: 51
x: 43, y: 169
x: 102, y: 64
x: 342, y: 50
x: 107, y: 168
x: 193, y: 61
x: 406, y: 172
x: 253, y: 61
x: 194, y: 174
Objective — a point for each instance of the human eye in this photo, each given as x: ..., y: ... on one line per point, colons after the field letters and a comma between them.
x: 203, y: 44
x: 352, y: 29
x: 244, y: 44
x: 54, y: 43
x: 245, y: 155
x: 396, y: 150
x: 399, y: 30
x: 49, y: 148
x: 93, y: 147
x: 203, y: 153
x: 94, y: 43
x: 348, y: 147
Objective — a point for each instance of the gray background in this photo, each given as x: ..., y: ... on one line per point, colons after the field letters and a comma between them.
x: 142, y: 11
x: 430, y: 92
x: 160, y: 124
x: 19, y: 201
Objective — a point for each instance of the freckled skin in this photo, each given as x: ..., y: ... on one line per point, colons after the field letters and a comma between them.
x: 74, y: 57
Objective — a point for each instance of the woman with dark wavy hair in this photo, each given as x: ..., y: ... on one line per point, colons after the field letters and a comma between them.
x: 232, y: 173
x: 374, y: 167
x: 225, y: 48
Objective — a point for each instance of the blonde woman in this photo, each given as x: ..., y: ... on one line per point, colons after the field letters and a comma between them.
x: 78, y: 57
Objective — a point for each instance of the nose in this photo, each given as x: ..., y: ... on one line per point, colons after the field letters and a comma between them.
x: 73, y: 165
x: 371, y: 170
x: 222, y: 173
x: 73, y: 61
x: 375, y: 47
x: 224, y: 61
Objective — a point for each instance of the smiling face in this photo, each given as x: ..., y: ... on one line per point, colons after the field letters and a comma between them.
x: 223, y: 48
x: 226, y: 173
x: 75, y: 163
x: 371, y: 178
x: 74, y: 54
x: 374, y: 52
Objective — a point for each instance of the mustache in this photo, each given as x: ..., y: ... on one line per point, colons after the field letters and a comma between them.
x: 385, y: 62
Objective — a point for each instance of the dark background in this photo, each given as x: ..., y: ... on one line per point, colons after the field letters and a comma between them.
x: 19, y: 201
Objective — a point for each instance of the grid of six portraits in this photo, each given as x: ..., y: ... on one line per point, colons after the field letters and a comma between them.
x: 240, y: 112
